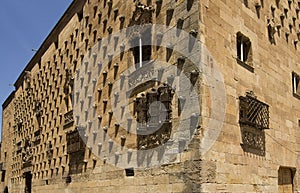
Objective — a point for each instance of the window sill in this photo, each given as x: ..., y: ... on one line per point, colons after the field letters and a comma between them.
x: 253, y: 125
x: 245, y: 65
x: 296, y: 95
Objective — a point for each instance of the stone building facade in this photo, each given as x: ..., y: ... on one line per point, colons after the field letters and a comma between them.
x: 94, y: 110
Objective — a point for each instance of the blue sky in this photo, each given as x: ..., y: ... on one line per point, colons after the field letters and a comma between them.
x: 24, y: 25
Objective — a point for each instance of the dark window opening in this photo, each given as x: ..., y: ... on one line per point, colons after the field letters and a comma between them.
x: 142, y: 49
x: 5, y: 189
x: 28, y: 182
x: 56, y: 44
x: 246, y: 3
x: 244, y: 50
x: 129, y: 171
x: 286, y: 179
x: 296, y: 84
x: 140, y: 59
x: 3, y: 176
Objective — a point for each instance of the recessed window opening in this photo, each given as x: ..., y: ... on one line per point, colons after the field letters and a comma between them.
x: 243, y: 48
x: 142, y: 52
x: 296, y: 84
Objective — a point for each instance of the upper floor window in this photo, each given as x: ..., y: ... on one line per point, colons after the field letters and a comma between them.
x: 254, y: 112
x: 143, y: 50
x: 141, y: 53
x: 296, y: 84
x: 244, y: 51
x: 141, y: 33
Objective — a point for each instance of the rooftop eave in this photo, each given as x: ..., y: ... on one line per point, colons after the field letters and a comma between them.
x: 75, y: 7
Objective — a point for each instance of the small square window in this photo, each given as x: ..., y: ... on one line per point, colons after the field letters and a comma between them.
x: 244, y: 51
x: 129, y: 171
x: 296, y: 84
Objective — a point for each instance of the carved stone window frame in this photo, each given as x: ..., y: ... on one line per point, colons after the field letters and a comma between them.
x: 154, y: 130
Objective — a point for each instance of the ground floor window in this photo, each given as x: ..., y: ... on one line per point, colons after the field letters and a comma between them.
x: 285, y: 180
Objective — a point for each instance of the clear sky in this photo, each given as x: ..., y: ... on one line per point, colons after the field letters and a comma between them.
x: 24, y: 25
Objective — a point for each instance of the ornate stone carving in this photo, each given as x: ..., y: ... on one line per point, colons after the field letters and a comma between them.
x: 68, y: 82
x: 27, y: 153
x: 38, y: 108
x: 27, y: 79
x: 141, y: 109
x: 19, y: 123
x: 153, y: 112
x: 254, y: 118
x: 69, y: 119
x: 49, y: 151
x: 253, y: 140
x: 143, y: 74
x: 140, y: 17
x: 142, y: 14
x: 271, y: 30
x: 68, y: 88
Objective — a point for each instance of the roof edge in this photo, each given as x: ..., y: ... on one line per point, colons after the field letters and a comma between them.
x: 74, y: 7
x: 8, y: 100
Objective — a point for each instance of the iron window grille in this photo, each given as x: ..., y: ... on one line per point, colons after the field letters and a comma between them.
x: 254, y: 112
x: 254, y: 118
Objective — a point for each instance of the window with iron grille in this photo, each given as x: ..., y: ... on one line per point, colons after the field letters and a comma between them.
x: 254, y: 112
x: 254, y: 118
